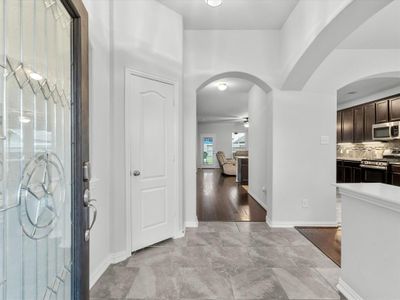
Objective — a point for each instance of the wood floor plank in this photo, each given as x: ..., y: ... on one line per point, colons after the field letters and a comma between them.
x: 220, y: 198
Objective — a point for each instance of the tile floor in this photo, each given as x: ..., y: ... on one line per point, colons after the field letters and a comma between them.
x: 224, y: 261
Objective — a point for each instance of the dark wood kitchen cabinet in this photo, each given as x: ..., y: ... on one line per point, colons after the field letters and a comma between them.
x: 382, y: 111
x: 347, y: 125
x: 394, y: 109
x: 339, y: 127
x: 396, y: 175
x: 369, y: 120
x: 358, y: 125
x: 348, y: 171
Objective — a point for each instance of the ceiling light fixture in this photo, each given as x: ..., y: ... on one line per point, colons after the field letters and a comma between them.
x: 222, y: 86
x: 246, y: 123
x: 35, y: 76
x: 214, y: 3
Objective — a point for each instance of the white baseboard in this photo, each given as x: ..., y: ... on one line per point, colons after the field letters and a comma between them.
x: 273, y: 224
x: 113, y: 258
x: 347, y: 291
x: 101, y: 268
x: 192, y: 224
x: 179, y: 235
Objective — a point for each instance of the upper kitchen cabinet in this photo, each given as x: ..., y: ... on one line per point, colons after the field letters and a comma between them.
x: 358, y: 124
x: 347, y: 125
x: 382, y: 111
x: 369, y: 120
x: 394, y: 109
x: 339, y: 127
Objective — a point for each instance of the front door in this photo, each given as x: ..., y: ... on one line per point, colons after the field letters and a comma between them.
x: 43, y: 147
x: 150, y: 134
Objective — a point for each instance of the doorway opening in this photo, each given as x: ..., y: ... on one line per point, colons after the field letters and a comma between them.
x: 225, y: 145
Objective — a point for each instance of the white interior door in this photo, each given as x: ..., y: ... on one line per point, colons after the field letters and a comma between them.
x: 152, y: 181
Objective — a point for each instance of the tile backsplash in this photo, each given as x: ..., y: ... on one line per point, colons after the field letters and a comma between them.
x: 365, y: 150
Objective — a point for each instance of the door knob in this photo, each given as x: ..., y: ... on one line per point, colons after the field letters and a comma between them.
x: 136, y: 173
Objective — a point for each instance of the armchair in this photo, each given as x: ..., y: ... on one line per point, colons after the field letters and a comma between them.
x: 228, y: 165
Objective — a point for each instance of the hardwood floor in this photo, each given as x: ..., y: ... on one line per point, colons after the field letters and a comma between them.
x: 220, y: 198
x: 327, y: 239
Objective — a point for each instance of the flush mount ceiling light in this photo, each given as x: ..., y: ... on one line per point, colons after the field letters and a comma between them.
x: 222, y: 86
x: 214, y: 3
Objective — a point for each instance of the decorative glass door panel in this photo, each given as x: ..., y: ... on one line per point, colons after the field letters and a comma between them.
x: 35, y: 145
x: 208, y: 150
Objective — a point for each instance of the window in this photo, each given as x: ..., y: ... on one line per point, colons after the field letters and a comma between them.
x: 239, y: 141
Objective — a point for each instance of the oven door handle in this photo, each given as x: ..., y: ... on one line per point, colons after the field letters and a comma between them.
x: 373, y: 167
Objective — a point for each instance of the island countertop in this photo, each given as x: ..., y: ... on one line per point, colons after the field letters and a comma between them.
x: 376, y: 193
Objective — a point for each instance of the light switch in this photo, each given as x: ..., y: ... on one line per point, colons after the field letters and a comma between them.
x: 324, y: 140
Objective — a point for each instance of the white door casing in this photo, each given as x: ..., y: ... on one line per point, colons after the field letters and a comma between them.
x: 150, y: 138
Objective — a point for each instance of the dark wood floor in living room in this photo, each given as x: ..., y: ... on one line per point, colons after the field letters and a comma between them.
x: 220, y: 198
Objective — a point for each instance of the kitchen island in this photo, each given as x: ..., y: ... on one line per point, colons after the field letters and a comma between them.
x: 370, y: 241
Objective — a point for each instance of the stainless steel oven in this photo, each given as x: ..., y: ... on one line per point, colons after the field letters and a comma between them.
x: 386, y: 131
x: 375, y: 171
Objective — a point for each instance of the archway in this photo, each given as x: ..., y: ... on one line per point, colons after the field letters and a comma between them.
x: 229, y: 185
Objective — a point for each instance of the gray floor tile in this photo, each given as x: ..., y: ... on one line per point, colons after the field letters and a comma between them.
x: 331, y: 275
x: 203, y: 283
x: 152, y: 256
x: 305, y: 283
x: 273, y: 256
x: 257, y: 283
x: 114, y: 283
x: 309, y: 256
x: 237, y: 239
x: 252, y: 226
x: 229, y: 259
x: 202, y: 239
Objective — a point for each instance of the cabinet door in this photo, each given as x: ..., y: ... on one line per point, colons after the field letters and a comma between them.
x: 394, y: 109
x: 339, y: 172
x: 357, y: 175
x: 339, y: 127
x: 347, y: 125
x: 369, y: 120
x: 348, y: 174
x: 358, y: 124
x: 382, y: 111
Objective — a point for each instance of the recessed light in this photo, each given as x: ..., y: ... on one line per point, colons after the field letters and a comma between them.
x: 35, y: 76
x: 222, y: 86
x: 214, y: 3
x: 24, y: 119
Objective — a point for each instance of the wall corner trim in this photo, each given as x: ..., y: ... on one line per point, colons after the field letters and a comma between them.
x: 347, y: 291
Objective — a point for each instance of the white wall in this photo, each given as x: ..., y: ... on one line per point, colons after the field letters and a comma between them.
x: 223, y: 132
x: 146, y: 36
x: 99, y: 84
x: 211, y: 52
x: 302, y: 167
x: 260, y: 145
x: 369, y: 98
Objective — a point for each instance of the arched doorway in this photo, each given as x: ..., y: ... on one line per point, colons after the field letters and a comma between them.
x: 228, y: 148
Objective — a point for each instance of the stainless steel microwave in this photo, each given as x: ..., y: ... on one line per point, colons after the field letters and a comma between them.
x: 386, y: 131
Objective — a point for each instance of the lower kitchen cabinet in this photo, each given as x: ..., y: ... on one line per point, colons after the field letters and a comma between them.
x: 348, y: 172
x: 396, y: 175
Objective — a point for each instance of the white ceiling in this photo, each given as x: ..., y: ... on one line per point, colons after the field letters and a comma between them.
x: 381, y: 31
x: 366, y: 87
x: 224, y: 106
x: 233, y: 14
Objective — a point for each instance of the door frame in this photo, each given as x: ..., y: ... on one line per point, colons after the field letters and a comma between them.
x: 214, y: 136
x: 178, y: 176
x: 80, y: 149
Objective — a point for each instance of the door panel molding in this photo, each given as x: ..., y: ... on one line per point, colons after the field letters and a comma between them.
x: 178, y: 206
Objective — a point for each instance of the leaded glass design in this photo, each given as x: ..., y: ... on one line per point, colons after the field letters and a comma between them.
x: 35, y: 150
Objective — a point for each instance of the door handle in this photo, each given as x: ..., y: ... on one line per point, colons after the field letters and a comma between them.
x: 136, y: 173
x: 89, y: 203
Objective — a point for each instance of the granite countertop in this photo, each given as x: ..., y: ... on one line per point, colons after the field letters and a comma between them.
x: 376, y: 193
x: 349, y: 159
